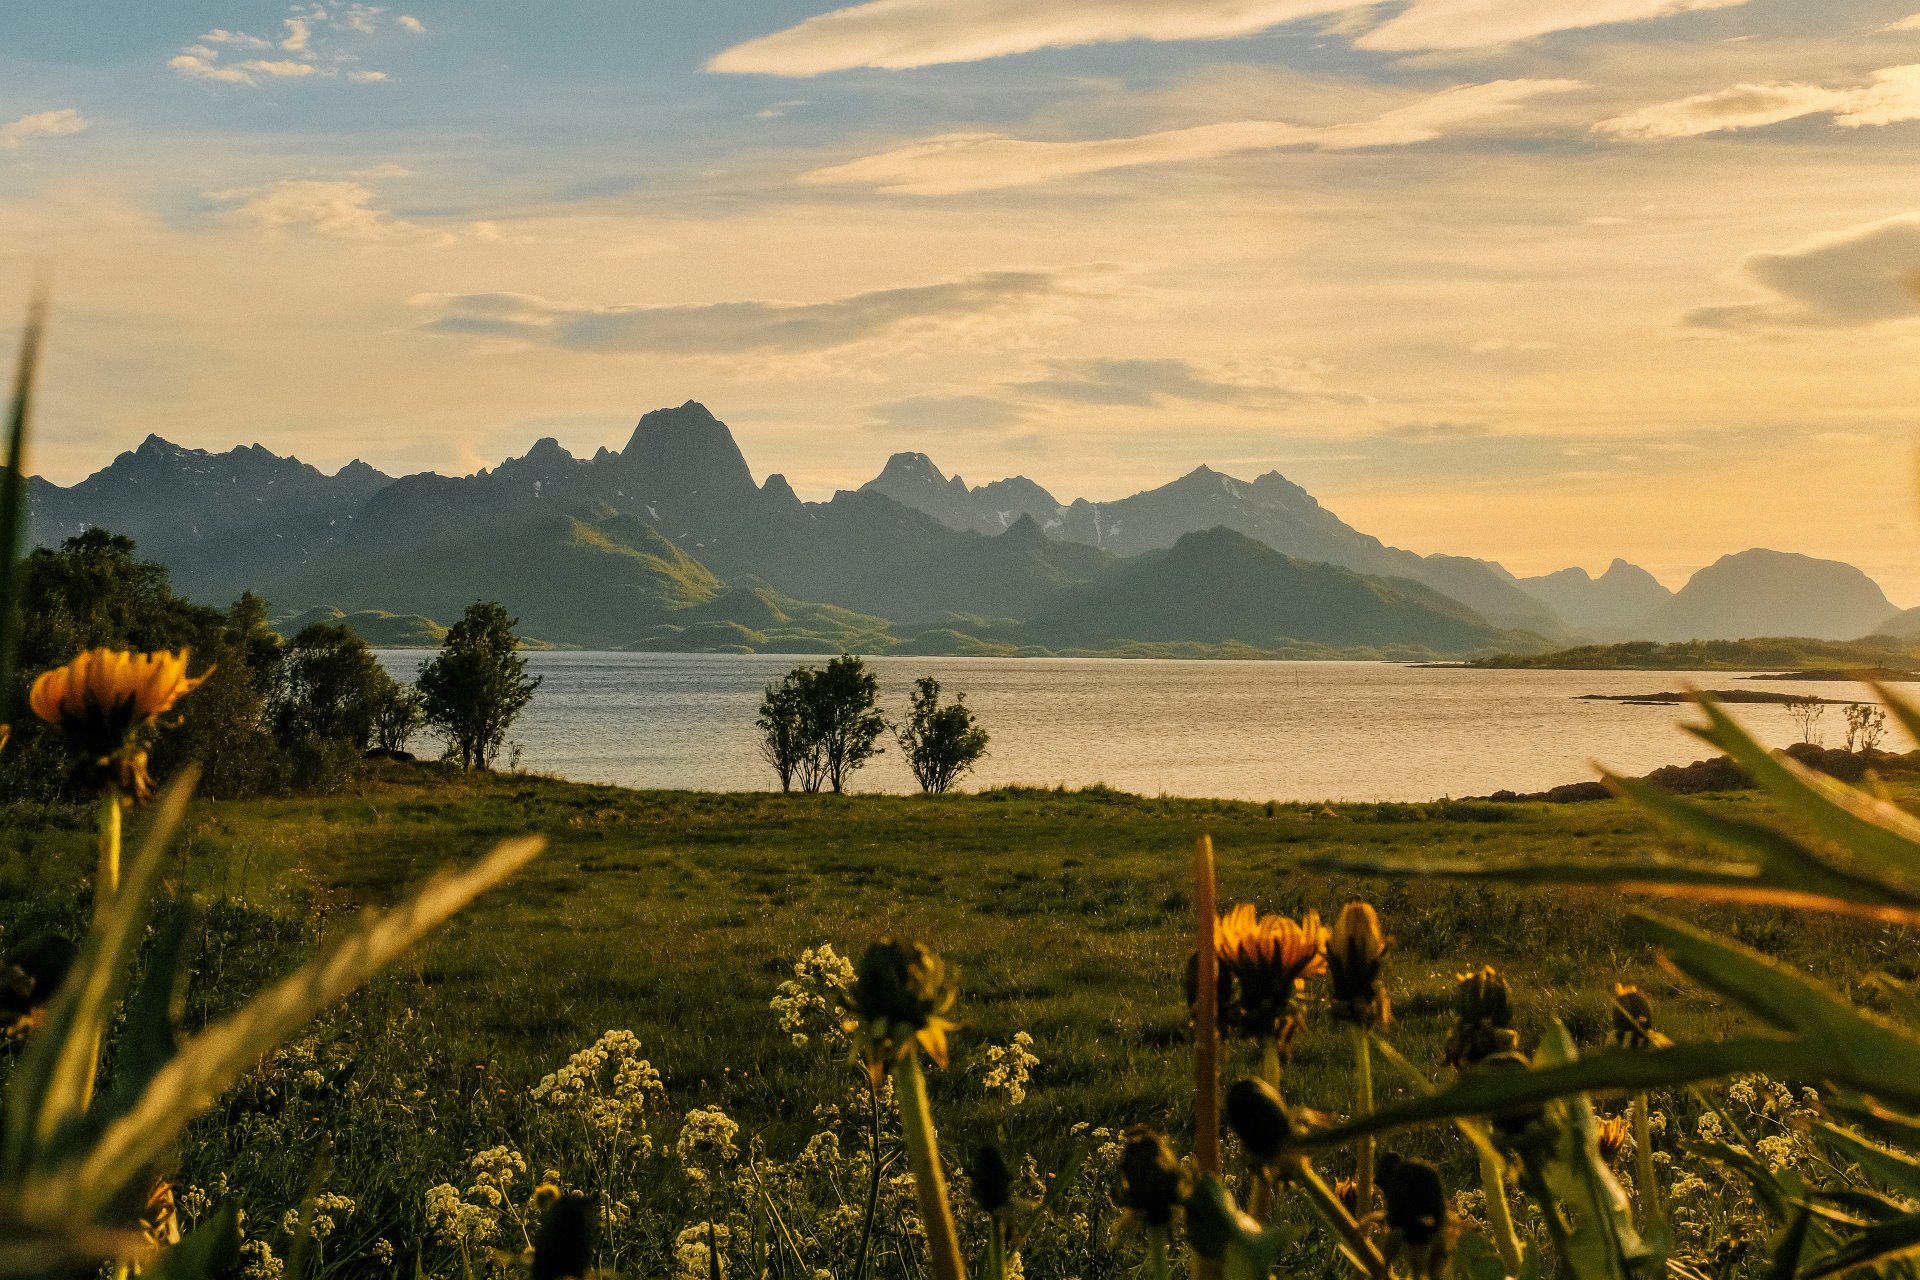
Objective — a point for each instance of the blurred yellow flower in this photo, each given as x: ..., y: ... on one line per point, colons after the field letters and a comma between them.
x: 103, y: 699
x: 1268, y: 960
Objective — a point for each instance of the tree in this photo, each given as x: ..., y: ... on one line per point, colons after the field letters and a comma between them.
x: 478, y: 685
x: 328, y: 688
x: 1806, y: 712
x: 817, y: 727
x: 842, y: 718
x: 784, y: 741
x: 398, y: 717
x: 941, y: 743
x: 1866, y: 726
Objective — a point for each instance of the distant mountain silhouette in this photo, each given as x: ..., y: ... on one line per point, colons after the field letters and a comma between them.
x: 1616, y: 605
x: 1270, y: 509
x: 1218, y: 586
x: 668, y: 543
x: 1905, y: 625
x: 1771, y: 593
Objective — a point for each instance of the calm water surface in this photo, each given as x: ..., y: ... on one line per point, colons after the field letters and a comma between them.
x: 1244, y: 730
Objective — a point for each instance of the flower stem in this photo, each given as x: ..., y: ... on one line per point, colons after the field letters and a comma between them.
x: 1493, y: 1181
x: 107, y: 882
x: 1362, y: 1107
x: 1652, y: 1215
x: 873, y: 1182
x: 923, y: 1156
x: 1333, y: 1211
x: 1157, y: 1265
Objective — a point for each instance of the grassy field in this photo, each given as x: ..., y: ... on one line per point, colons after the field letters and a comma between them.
x: 676, y: 915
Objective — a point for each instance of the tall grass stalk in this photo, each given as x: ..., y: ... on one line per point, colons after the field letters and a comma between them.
x: 1206, y: 1030
x: 1646, y: 1185
x: 1493, y: 1184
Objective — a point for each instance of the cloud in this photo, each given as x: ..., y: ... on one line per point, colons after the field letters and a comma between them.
x: 1436, y: 432
x: 410, y: 23
x: 727, y: 328
x: 312, y: 42
x: 1891, y: 97
x: 1473, y: 24
x: 961, y: 162
x: 946, y: 413
x: 1860, y: 276
x: 1505, y: 346
x: 1145, y: 383
x: 339, y: 208
x: 898, y: 34
x: 1905, y: 24
x: 45, y: 124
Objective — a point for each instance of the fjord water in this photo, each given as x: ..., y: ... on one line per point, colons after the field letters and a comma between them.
x: 1238, y: 730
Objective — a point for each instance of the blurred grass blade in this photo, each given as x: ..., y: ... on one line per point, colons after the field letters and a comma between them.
x: 1881, y: 1243
x: 1861, y: 1050
x: 49, y: 1088
x: 1903, y: 711
x: 1888, y: 1126
x: 1787, y: 1247
x: 1624, y: 1070
x: 1895, y: 1169
x: 1865, y: 825
x: 1784, y: 863
x: 212, y: 1061
x: 1600, y: 1242
x: 150, y: 1038
x: 13, y: 491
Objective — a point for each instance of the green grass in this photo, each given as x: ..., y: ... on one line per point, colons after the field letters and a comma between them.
x: 1067, y: 915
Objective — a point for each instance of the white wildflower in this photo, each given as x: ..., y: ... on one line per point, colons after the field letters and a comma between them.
x: 706, y: 1142
x: 258, y: 1263
x: 816, y: 996
x: 693, y: 1251
x: 455, y: 1222
x: 1010, y: 1066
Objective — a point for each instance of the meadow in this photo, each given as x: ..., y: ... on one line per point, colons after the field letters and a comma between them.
x: 678, y: 916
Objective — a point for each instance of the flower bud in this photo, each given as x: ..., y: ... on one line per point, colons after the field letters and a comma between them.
x: 900, y: 992
x: 1354, y: 950
x: 992, y: 1180
x: 1614, y: 1134
x: 1632, y: 1018
x: 1153, y: 1182
x: 1483, y: 1019
x: 1258, y: 1118
x: 1415, y: 1197
x: 563, y: 1246
x: 30, y: 977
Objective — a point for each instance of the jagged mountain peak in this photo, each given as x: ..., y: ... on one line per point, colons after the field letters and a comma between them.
x: 687, y: 450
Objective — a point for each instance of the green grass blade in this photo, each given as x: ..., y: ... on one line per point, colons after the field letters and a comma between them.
x: 13, y: 491
x: 82, y: 1182
x: 1888, y: 1126
x: 1906, y: 713
x: 1865, y: 825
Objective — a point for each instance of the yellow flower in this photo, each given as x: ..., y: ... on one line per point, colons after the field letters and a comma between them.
x: 1632, y: 1018
x: 1269, y: 959
x: 1614, y: 1134
x: 105, y: 698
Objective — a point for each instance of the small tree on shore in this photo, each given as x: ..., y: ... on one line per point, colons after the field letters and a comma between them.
x: 941, y: 743
x: 784, y: 739
x: 478, y: 685
x: 1806, y: 712
x: 398, y: 716
x: 1866, y: 726
x: 818, y: 726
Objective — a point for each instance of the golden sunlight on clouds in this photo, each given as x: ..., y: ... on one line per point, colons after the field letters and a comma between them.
x: 43, y: 124
x: 957, y: 163
x: 1892, y: 97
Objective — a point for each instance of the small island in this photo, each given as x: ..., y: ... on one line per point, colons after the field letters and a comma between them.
x: 1798, y: 657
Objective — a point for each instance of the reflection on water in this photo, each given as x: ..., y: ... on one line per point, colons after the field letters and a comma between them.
x: 1245, y: 730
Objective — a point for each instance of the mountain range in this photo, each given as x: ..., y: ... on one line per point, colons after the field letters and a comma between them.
x: 669, y: 543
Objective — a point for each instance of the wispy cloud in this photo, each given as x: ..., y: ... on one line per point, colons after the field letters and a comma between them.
x: 726, y: 328
x: 408, y: 22
x: 340, y: 209
x: 1473, y: 24
x: 1860, y: 276
x: 1145, y: 383
x: 312, y: 42
x: 898, y: 34
x: 44, y: 124
x: 1891, y: 97
x: 961, y: 162
x: 946, y: 414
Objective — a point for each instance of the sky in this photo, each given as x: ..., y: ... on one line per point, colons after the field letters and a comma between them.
x: 1543, y: 281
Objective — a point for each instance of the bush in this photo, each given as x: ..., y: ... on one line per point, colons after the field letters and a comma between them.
x: 941, y: 743
x: 817, y: 727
